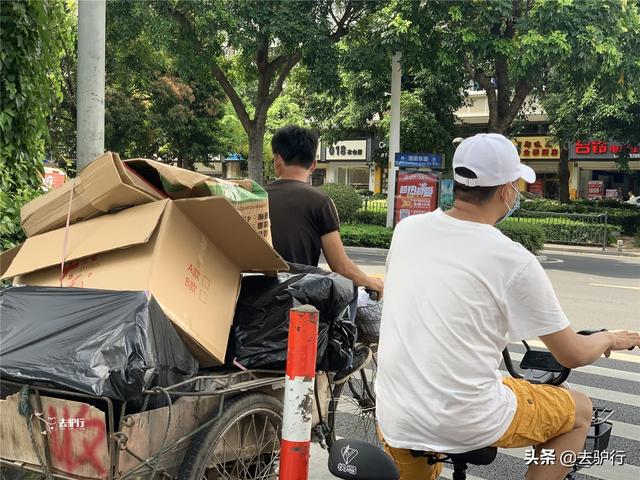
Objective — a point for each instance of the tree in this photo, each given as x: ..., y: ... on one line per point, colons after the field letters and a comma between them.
x: 250, y: 47
x: 153, y: 107
x: 356, y: 103
x: 510, y: 47
x: 32, y: 41
x: 595, y: 93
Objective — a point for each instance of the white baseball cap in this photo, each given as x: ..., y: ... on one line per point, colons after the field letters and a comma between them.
x: 493, y: 158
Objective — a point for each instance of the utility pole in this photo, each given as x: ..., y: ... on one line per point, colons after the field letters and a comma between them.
x: 91, y: 40
x: 394, y: 135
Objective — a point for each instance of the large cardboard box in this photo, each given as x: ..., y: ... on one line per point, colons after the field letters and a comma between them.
x: 108, y: 184
x: 188, y: 254
x: 104, y: 186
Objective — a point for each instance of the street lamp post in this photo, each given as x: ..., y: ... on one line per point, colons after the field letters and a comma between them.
x: 90, y: 121
x: 394, y: 135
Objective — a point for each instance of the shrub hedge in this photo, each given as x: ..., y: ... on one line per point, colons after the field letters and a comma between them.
x: 530, y: 236
x: 623, y: 214
x: 346, y: 199
x: 572, y: 231
x: 367, y: 217
x: 372, y: 236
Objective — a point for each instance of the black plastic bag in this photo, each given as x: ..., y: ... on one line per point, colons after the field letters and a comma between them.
x: 99, y: 342
x: 261, y: 324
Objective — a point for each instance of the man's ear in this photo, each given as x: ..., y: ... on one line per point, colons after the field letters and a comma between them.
x: 314, y: 165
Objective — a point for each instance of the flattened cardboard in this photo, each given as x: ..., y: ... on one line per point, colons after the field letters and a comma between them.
x: 187, y: 253
x: 98, y: 189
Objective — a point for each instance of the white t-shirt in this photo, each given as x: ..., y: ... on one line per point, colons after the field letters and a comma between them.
x: 453, y: 291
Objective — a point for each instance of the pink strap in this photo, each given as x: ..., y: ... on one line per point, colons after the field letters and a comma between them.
x: 66, y: 233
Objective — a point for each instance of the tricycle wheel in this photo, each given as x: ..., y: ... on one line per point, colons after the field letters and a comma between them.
x: 243, y: 443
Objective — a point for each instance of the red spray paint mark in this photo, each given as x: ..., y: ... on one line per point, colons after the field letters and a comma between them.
x: 63, y: 441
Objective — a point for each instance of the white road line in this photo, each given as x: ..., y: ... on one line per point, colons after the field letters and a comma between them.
x: 613, y: 286
x: 625, y: 430
x: 592, y: 369
x: 607, y: 472
x: 625, y: 357
x: 630, y: 399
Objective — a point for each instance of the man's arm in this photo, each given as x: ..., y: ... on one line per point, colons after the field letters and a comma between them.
x: 340, y: 263
x: 573, y: 350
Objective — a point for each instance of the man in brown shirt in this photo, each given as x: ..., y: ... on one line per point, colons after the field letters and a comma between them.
x: 304, y: 220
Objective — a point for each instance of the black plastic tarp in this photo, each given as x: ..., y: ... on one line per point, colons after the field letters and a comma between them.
x: 261, y: 323
x: 100, y: 342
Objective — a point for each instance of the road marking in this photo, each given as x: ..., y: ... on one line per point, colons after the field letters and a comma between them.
x: 613, y: 286
x: 630, y: 399
x: 593, y: 370
x: 625, y: 430
x: 608, y: 472
x: 625, y: 357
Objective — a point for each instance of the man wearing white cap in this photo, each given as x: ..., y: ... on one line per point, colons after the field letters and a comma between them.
x: 456, y: 288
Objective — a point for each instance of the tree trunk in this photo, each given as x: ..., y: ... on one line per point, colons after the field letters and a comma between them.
x: 563, y: 173
x: 256, y: 154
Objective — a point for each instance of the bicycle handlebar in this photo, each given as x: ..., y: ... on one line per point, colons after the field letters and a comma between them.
x: 555, y: 380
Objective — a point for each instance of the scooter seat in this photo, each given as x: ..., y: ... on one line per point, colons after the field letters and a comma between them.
x: 481, y: 456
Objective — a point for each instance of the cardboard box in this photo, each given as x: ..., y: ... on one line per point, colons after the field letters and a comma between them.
x: 104, y: 186
x: 188, y: 254
x: 108, y: 184
x: 249, y: 198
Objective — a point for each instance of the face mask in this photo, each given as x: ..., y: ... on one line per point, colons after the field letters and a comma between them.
x: 516, y: 205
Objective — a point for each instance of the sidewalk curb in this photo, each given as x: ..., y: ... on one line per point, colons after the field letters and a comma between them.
x: 553, y: 248
x: 548, y: 249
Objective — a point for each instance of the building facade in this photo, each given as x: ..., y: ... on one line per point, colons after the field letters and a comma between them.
x: 590, y: 161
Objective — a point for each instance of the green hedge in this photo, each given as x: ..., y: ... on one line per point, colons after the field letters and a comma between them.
x: 373, y: 236
x: 346, y: 199
x: 622, y: 214
x: 368, y: 217
x: 572, y: 231
x: 530, y: 236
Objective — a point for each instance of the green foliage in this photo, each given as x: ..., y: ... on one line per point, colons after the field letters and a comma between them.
x: 32, y: 41
x: 368, y: 217
x: 624, y: 215
x: 371, y: 236
x: 346, y: 199
x: 530, y: 236
x: 250, y: 47
x: 573, y: 231
x: 636, y: 239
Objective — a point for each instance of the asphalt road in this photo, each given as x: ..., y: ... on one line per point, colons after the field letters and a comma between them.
x: 595, y: 291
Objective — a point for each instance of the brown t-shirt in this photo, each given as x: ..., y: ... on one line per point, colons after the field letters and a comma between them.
x: 300, y: 215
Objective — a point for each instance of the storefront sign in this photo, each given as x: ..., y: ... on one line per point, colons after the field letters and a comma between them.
x: 595, y: 189
x: 419, y: 160
x: 347, y: 150
x: 446, y: 192
x: 416, y: 193
x: 537, y: 148
x: 597, y: 150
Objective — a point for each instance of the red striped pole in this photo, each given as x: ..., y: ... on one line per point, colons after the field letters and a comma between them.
x: 298, y: 395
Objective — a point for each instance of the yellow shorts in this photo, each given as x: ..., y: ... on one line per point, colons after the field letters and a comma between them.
x: 544, y: 412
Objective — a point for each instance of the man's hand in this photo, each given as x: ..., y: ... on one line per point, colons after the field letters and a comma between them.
x: 622, y: 340
x: 375, y: 285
